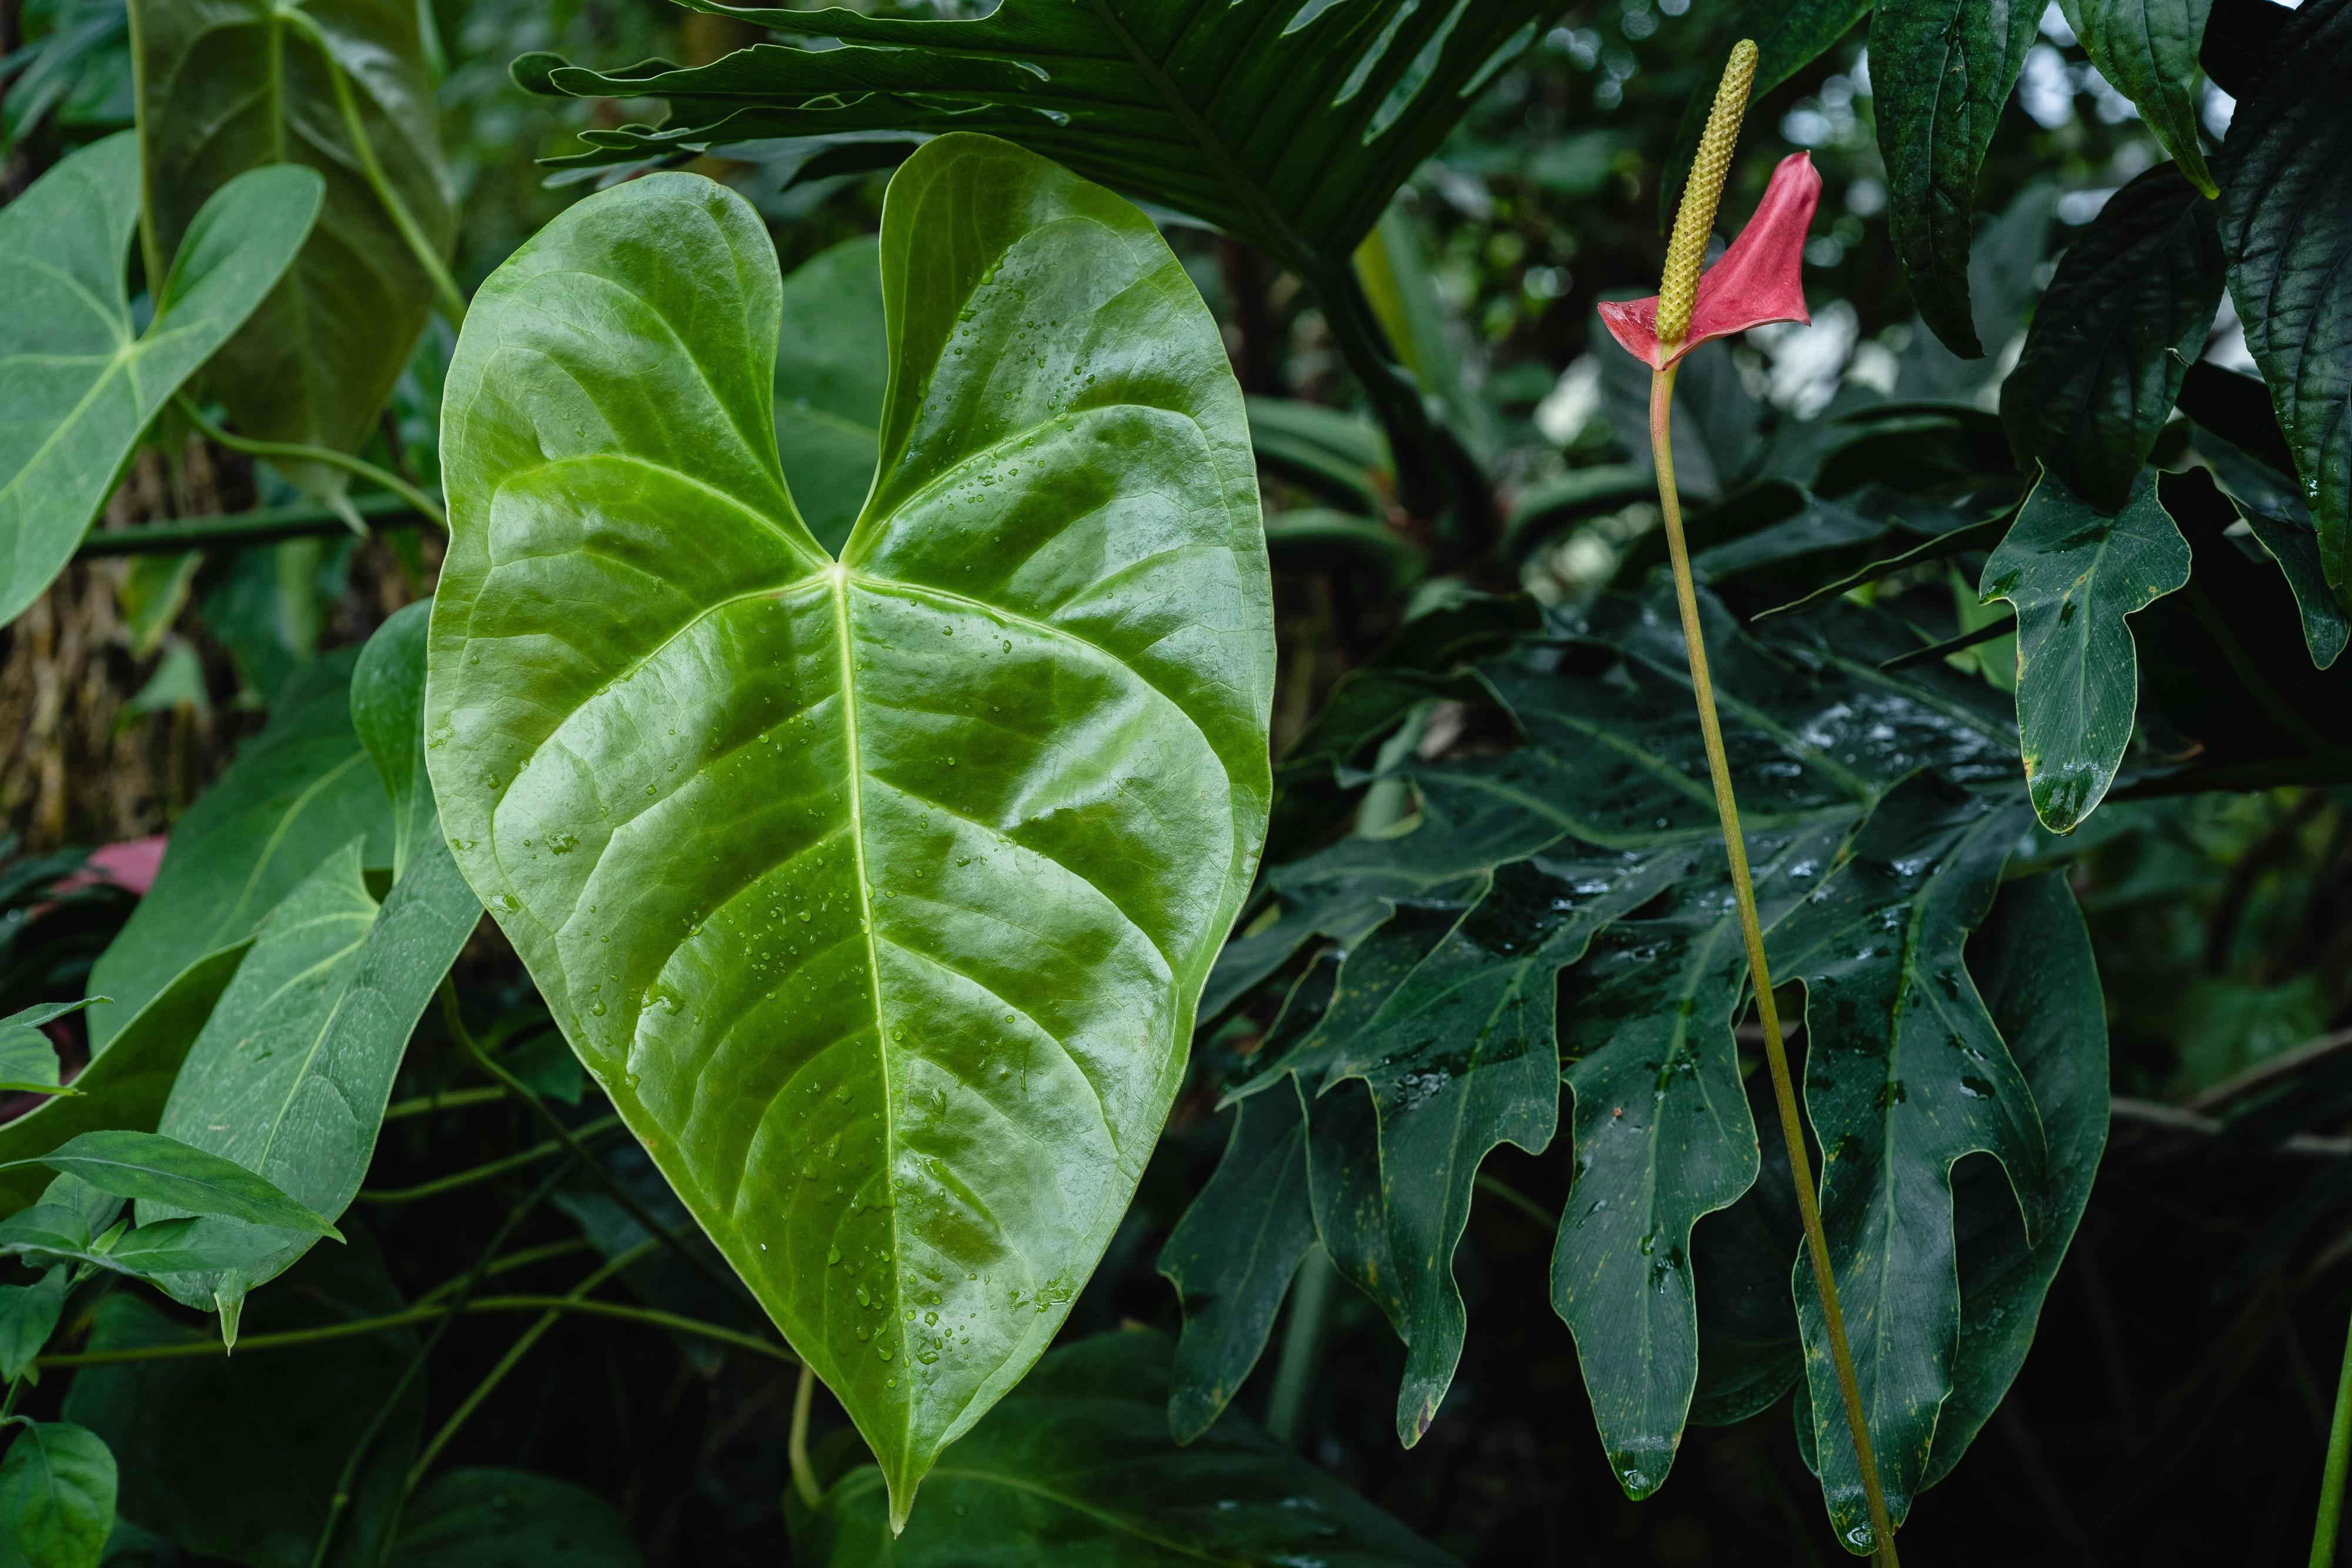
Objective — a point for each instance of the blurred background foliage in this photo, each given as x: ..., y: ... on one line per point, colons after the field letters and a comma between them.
x: 2174, y: 1408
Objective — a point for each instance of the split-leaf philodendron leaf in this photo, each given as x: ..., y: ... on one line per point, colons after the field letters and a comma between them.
x: 78, y: 381
x: 878, y: 890
x: 2286, y: 209
x: 1590, y: 854
x: 226, y: 86
x: 2074, y: 572
x: 1288, y: 123
x: 1942, y: 70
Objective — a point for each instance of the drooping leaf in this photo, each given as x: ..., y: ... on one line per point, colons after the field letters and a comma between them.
x: 29, y: 1316
x: 2148, y: 48
x: 124, y: 1085
x: 2073, y: 573
x: 228, y: 85
x: 79, y: 381
x: 1941, y: 70
x: 2271, y: 505
x: 2115, y: 336
x: 1288, y: 125
x: 832, y: 360
x: 924, y: 853
x: 290, y: 1076
x: 154, y: 1168
x: 2286, y: 228
x: 1231, y: 1257
x: 1905, y: 1072
x: 1076, y: 1465
x: 57, y: 1494
x: 276, y: 1427
x: 299, y: 791
x: 511, y: 1519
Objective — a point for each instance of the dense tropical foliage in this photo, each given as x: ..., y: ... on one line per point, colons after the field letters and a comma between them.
x: 925, y: 784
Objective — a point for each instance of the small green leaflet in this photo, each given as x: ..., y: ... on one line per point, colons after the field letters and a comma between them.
x: 78, y: 381
x: 29, y: 1316
x: 57, y: 1494
x: 2074, y: 572
x: 1942, y: 70
x: 150, y: 1166
x: 878, y: 890
x: 1075, y: 1465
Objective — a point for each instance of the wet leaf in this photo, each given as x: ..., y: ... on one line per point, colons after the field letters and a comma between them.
x: 79, y: 380
x: 2075, y: 572
x: 923, y: 853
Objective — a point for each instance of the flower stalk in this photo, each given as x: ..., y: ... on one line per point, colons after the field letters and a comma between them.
x: 1678, y: 299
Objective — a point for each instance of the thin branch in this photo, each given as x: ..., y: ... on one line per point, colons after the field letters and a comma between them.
x: 490, y: 1171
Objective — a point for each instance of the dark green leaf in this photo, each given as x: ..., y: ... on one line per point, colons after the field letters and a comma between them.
x: 299, y: 791
x: 2241, y: 42
x: 28, y: 1056
x: 2115, y: 335
x: 1289, y: 126
x: 29, y: 1316
x: 81, y: 380
x: 2237, y: 408
x: 923, y: 855
x: 2148, y: 48
x: 1075, y: 1465
x: 1942, y: 70
x: 509, y: 1518
x: 57, y: 1494
x: 832, y: 360
x: 275, y: 1430
x: 2074, y: 572
x: 160, y: 1169
x: 227, y: 85
x: 2286, y: 227
x: 125, y: 1085
x: 2271, y: 505
x: 1318, y: 539
x: 388, y: 715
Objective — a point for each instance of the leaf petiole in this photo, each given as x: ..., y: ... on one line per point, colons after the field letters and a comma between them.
x: 296, y: 452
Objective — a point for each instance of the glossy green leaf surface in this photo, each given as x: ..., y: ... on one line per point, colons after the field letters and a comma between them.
x: 2286, y: 213
x: 278, y: 1426
x: 2148, y: 48
x: 1941, y: 70
x: 157, y: 1168
x: 1289, y: 125
x: 511, y: 1519
x: 1075, y: 1465
x: 228, y: 85
x: 57, y: 1494
x: 1590, y: 854
x: 125, y: 1085
x: 2115, y: 335
x: 299, y: 791
x: 291, y: 1074
x: 2075, y: 572
x: 79, y: 381
x: 878, y: 892
x: 832, y: 372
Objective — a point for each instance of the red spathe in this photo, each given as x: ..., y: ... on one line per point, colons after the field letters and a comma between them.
x: 1757, y: 281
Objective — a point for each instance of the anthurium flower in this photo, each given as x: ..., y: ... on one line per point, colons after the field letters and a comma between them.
x: 1757, y: 281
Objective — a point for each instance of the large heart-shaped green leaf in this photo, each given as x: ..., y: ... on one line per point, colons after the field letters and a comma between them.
x: 226, y: 86
x: 2115, y: 335
x: 2074, y: 572
x: 878, y: 892
x: 2286, y: 213
x: 1077, y: 1467
x: 78, y: 381
x: 297, y: 792
x: 1942, y: 70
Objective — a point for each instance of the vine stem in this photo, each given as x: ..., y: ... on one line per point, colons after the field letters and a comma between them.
x: 1752, y: 932
x: 297, y: 452
x: 428, y: 258
x: 492, y: 1171
x: 2328, y: 1526
x: 796, y: 1447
